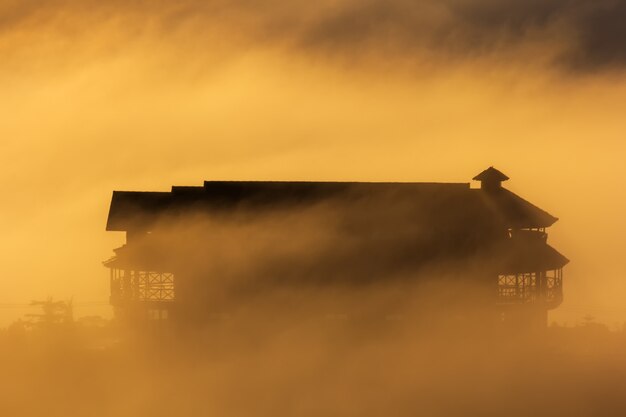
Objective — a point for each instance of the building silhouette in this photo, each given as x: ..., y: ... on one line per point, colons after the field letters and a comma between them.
x: 175, y: 258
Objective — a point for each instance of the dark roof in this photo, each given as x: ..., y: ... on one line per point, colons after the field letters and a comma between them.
x: 516, y: 212
x: 138, y: 209
x: 523, y: 256
x: 509, y: 256
x: 135, y: 210
x: 491, y: 175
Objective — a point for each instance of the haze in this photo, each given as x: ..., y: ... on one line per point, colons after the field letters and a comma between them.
x: 144, y: 95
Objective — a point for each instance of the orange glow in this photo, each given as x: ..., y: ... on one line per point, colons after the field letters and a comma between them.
x: 123, y: 98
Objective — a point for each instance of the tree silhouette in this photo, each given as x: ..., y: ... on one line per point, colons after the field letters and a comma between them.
x: 54, y: 313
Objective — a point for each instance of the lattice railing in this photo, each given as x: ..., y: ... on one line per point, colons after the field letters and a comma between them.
x: 129, y: 285
x: 530, y: 287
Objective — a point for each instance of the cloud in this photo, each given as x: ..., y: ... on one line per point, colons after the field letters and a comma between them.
x: 579, y: 36
x: 586, y: 36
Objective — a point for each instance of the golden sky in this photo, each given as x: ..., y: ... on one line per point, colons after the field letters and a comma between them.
x: 141, y: 95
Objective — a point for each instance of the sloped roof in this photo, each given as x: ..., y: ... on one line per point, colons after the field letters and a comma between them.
x: 491, y: 174
x: 516, y: 212
x: 439, y: 201
x: 529, y: 256
x: 138, y: 209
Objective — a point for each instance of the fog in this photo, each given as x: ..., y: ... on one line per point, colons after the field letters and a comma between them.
x: 144, y: 95
x: 294, y: 319
x: 69, y: 140
x: 272, y: 362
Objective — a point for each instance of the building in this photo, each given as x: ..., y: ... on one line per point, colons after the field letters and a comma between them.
x: 189, y: 250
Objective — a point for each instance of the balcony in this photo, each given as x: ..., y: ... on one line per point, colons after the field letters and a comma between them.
x: 142, y: 286
x: 540, y: 288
